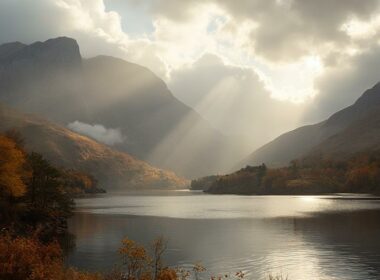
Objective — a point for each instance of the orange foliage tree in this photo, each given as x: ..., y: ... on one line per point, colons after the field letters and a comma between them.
x: 138, y: 264
x: 12, y: 171
x: 13, y: 177
x: 24, y: 258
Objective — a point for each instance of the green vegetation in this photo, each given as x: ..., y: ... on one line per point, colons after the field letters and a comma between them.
x: 313, y: 175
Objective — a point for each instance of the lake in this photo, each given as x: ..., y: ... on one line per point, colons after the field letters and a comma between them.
x: 302, y: 237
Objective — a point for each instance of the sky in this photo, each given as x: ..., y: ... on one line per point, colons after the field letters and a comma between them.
x: 254, y: 68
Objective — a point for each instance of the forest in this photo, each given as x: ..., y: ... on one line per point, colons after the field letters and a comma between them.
x: 311, y: 175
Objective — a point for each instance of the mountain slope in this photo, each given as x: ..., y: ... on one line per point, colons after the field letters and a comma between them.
x: 51, y: 79
x: 158, y: 128
x: 113, y: 169
x: 362, y: 136
x: 302, y: 141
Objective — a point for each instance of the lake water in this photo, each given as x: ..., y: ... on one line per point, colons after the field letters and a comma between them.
x: 302, y: 237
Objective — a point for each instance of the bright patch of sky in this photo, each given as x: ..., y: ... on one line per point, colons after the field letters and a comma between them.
x: 135, y: 18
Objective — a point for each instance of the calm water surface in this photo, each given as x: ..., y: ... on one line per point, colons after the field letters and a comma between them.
x: 322, y: 237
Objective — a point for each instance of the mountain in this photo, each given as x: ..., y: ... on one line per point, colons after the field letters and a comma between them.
x: 53, y: 80
x: 114, y: 170
x: 351, y: 130
x: 158, y: 128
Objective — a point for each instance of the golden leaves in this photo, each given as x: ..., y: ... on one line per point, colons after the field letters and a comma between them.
x: 12, y: 168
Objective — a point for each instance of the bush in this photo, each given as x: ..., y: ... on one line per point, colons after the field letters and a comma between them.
x: 23, y: 258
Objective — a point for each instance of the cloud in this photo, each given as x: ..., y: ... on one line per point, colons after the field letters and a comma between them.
x: 285, y: 30
x: 289, y: 42
x: 274, y: 30
x: 289, y: 30
x: 109, y: 136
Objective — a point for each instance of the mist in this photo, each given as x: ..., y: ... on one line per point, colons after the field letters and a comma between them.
x: 109, y: 136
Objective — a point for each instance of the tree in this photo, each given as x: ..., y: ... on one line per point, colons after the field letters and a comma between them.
x: 26, y: 258
x: 49, y: 203
x: 13, y: 176
x: 159, y: 247
x: 12, y: 168
x: 135, y: 259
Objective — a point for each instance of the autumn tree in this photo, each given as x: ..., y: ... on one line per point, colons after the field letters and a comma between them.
x: 26, y: 258
x: 138, y: 264
x: 13, y: 177
x: 12, y: 168
x: 364, y: 178
x: 77, y: 182
x: 135, y: 259
x: 158, y: 247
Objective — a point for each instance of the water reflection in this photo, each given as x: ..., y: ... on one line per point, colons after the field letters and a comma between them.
x: 304, y: 238
x: 200, y: 206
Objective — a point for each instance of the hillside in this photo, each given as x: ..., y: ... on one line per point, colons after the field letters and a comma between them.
x: 114, y: 170
x: 52, y: 80
x: 361, y: 136
x: 311, y: 139
x: 359, y: 173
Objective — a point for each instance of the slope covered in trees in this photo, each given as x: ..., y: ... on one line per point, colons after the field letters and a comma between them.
x: 312, y: 175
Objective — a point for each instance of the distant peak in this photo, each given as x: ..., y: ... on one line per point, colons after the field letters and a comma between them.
x: 67, y: 41
x: 61, y: 44
x: 61, y: 51
x: 12, y: 45
x: 371, y: 95
x: 8, y: 49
